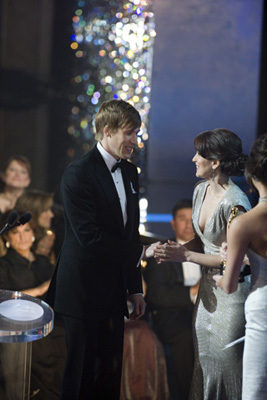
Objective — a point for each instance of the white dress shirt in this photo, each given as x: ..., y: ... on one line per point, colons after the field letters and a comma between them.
x: 117, y: 178
x: 118, y: 181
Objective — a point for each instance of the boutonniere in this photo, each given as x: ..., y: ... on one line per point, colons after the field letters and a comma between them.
x: 132, y: 188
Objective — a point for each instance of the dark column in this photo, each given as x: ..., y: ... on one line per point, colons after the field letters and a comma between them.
x: 262, y: 118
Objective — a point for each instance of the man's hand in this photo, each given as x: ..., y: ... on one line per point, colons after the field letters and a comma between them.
x: 149, y: 250
x: 171, y: 251
x: 139, y: 306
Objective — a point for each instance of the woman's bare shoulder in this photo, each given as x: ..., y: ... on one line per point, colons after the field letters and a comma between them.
x: 251, y: 222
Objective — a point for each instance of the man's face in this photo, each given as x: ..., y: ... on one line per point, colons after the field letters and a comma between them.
x: 120, y: 144
x: 182, y: 224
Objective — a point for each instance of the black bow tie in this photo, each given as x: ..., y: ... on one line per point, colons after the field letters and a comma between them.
x: 117, y: 165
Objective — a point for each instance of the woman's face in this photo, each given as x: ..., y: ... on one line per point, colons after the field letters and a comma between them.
x: 16, y: 175
x: 203, y: 166
x: 20, y: 238
x: 45, y: 218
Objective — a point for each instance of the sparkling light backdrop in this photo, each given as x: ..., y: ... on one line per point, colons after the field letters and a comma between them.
x: 112, y: 42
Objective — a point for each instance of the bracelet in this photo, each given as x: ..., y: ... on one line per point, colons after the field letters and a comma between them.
x: 222, y: 267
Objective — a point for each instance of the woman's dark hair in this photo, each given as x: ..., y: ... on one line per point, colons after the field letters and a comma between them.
x: 256, y: 167
x: 35, y: 201
x: 184, y: 203
x: 225, y: 146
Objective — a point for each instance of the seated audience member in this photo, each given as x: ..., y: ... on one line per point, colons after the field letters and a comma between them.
x: 144, y: 374
x: 20, y: 268
x: 16, y: 177
x: 23, y: 270
x: 171, y: 293
x: 40, y: 204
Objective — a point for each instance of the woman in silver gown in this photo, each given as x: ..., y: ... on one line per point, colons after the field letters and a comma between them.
x: 218, y: 318
x: 248, y: 234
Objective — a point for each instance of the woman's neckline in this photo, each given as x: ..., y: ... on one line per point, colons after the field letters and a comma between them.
x: 231, y: 184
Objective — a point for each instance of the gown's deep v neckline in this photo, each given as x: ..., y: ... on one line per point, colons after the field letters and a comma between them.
x: 215, y: 209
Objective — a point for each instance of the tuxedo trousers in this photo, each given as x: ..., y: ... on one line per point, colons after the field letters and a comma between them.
x: 94, y: 358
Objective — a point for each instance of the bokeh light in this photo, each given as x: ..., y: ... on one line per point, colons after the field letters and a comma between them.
x: 112, y: 43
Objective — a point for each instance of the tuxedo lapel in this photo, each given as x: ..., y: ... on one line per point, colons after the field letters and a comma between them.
x: 131, y: 194
x: 105, y: 180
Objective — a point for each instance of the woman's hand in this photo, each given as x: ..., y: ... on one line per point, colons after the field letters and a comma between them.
x: 171, y: 251
x: 223, y: 251
x: 5, y: 204
x: 218, y: 279
x: 38, y: 291
x: 44, y: 246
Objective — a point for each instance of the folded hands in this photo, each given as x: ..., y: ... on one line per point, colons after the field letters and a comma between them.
x: 169, y: 251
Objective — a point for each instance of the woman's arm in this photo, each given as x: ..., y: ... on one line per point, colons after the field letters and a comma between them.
x: 196, y: 255
x: 5, y: 203
x: 37, y: 291
x: 176, y: 252
x: 192, y: 251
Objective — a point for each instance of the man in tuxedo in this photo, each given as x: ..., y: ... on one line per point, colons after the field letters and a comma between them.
x: 170, y: 295
x: 99, y: 260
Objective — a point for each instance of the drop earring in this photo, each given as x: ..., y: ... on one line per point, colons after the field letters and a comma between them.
x: 213, y: 175
x: 7, y: 245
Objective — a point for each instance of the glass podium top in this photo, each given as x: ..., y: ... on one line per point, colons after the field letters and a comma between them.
x: 23, y: 318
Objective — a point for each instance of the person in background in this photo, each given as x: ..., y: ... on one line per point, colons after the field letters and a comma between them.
x: 16, y: 177
x: 218, y: 318
x: 40, y: 204
x: 248, y: 236
x: 21, y: 270
x: 100, y: 258
x: 171, y: 292
x: 144, y: 372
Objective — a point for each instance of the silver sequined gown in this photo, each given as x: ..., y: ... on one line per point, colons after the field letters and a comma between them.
x: 218, y: 317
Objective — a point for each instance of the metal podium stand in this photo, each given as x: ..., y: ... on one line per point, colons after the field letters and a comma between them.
x: 23, y: 319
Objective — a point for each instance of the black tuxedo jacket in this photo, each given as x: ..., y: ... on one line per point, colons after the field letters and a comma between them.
x: 98, y: 261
